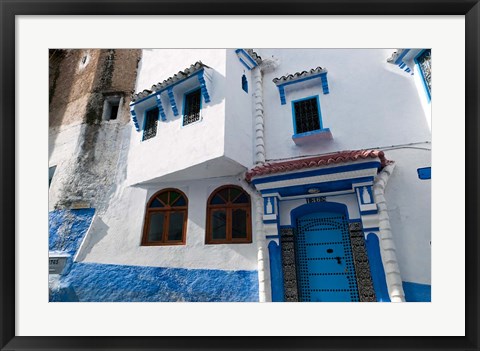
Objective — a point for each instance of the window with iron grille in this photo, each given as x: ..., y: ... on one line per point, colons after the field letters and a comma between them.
x: 192, y: 106
x: 306, y: 115
x: 424, y: 61
x: 151, y: 120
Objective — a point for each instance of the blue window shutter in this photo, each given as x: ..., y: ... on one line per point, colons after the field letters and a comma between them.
x: 425, y: 173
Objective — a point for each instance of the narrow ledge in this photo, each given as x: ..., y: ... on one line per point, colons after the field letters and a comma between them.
x: 312, y: 136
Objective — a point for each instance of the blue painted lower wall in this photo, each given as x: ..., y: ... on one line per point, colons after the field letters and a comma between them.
x: 67, y: 228
x: 415, y: 292
x: 108, y: 283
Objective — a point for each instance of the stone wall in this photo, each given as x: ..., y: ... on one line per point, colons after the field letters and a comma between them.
x: 85, y: 147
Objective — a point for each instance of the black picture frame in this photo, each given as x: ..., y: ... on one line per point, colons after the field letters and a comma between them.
x: 10, y: 9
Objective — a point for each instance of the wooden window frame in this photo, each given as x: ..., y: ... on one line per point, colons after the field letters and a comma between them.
x: 229, y: 206
x: 167, y: 210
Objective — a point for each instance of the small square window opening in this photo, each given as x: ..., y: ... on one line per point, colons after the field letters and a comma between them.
x: 114, y: 111
x: 111, y: 108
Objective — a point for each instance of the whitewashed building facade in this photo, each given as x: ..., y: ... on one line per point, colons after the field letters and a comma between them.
x: 249, y: 175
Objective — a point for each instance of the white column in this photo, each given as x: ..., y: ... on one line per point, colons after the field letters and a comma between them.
x: 387, y: 246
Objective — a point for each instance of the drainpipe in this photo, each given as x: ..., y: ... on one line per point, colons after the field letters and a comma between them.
x: 387, y: 246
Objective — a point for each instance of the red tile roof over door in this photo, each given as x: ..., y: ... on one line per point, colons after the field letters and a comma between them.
x: 317, y: 161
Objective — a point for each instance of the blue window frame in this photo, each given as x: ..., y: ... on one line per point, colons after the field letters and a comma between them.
x: 306, y: 114
x: 192, y: 104
x: 244, y: 84
x: 150, y: 123
x: 424, y: 63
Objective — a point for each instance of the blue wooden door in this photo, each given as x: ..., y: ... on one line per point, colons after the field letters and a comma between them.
x: 324, y: 258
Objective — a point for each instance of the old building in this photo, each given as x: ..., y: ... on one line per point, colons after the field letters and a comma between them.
x: 240, y: 175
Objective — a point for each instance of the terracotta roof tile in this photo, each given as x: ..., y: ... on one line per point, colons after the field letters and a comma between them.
x: 197, y: 66
x: 299, y: 75
x: 254, y: 55
x: 317, y: 161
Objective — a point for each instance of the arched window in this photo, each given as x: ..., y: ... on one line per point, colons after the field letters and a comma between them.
x: 244, y: 83
x: 228, y: 216
x: 166, y: 218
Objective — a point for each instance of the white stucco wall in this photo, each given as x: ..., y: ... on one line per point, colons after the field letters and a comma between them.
x: 115, y: 236
x: 409, y: 60
x: 157, y: 65
x: 371, y: 102
x: 409, y: 208
x: 176, y: 147
x: 422, y: 93
x: 238, y: 112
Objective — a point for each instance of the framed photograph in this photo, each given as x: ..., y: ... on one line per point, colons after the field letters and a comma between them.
x: 217, y: 175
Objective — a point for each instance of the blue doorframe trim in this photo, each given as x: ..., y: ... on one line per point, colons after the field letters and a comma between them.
x: 376, y: 268
x: 276, y: 271
x: 315, y: 207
